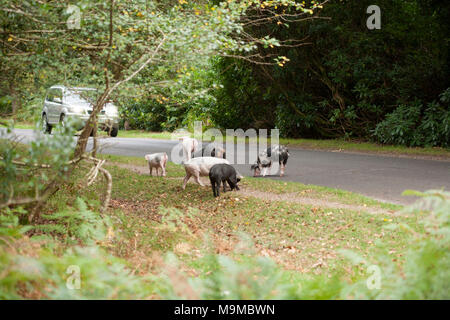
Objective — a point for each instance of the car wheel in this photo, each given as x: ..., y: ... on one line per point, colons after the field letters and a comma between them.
x: 45, y: 127
x: 114, y: 131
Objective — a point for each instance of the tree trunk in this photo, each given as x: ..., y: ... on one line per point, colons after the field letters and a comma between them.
x: 15, y: 103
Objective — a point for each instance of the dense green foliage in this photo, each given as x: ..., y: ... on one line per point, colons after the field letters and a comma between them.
x: 36, y: 266
x: 415, y: 125
x: 425, y: 274
x: 388, y: 85
x: 350, y: 81
x: 20, y: 172
x: 338, y: 80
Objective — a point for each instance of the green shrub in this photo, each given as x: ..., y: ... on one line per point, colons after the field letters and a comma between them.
x: 40, y: 267
x: 242, y: 277
x: 21, y: 165
x: 146, y: 115
x: 31, y: 110
x: 415, y: 125
x: 426, y: 271
x: 75, y: 226
x: 38, y: 272
x: 399, y: 127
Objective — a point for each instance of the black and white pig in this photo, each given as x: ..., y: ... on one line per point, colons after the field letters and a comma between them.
x: 266, y: 157
x: 223, y: 173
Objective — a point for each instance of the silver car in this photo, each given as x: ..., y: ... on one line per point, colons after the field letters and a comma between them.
x: 63, y: 102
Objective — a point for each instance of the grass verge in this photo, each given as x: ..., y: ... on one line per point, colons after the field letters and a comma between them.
x: 296, y: 236
x: 183, y: 242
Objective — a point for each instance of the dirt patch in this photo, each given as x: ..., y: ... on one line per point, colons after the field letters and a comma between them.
x: 141, y: 207
x: 296, y: 198
x: 133, y: 167
x: 144, y: 170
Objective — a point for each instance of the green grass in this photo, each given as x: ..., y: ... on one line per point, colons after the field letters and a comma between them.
x: 317, y: 192
x: 274, y: 186
x: 145, y: 134
x: 295, y: 236
x: 24, y: 125
x: 151, y: 217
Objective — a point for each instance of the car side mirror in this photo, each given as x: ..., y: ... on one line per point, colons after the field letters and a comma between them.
x: 57, y: 100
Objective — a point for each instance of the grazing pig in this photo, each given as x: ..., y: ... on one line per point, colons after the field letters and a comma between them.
x: 197, y: 167
x: 189, y: 146
x: 220, y: 173
x: 157, y: 161
x: 210, y: 150
x: 265, y: 158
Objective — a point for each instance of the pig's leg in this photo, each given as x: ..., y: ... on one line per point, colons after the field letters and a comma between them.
x: 188, y: 175
x: 218, y: 187
x: 235, y: 183
x: 197, y: 179
x: 186, y: 152
x: 229, y: 183
x: 213, y: 186
x: 224, y: 182
x: 150, y: 168
x: 163, y: 166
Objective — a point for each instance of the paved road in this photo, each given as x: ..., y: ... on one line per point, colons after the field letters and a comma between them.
x: 379, y: 177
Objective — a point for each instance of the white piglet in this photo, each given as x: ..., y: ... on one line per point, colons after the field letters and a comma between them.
x: 189, y: 145
x: 157, y: 161
x: 197, y: 167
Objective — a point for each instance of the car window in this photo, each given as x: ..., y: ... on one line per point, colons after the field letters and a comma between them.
x: 80, y: 96
x: 54, y: 93
x: 49, y: 96
x: 57, y: 97
x: 73, y: 97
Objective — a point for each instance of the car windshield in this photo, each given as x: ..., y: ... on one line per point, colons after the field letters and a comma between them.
x: 80, y: 96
